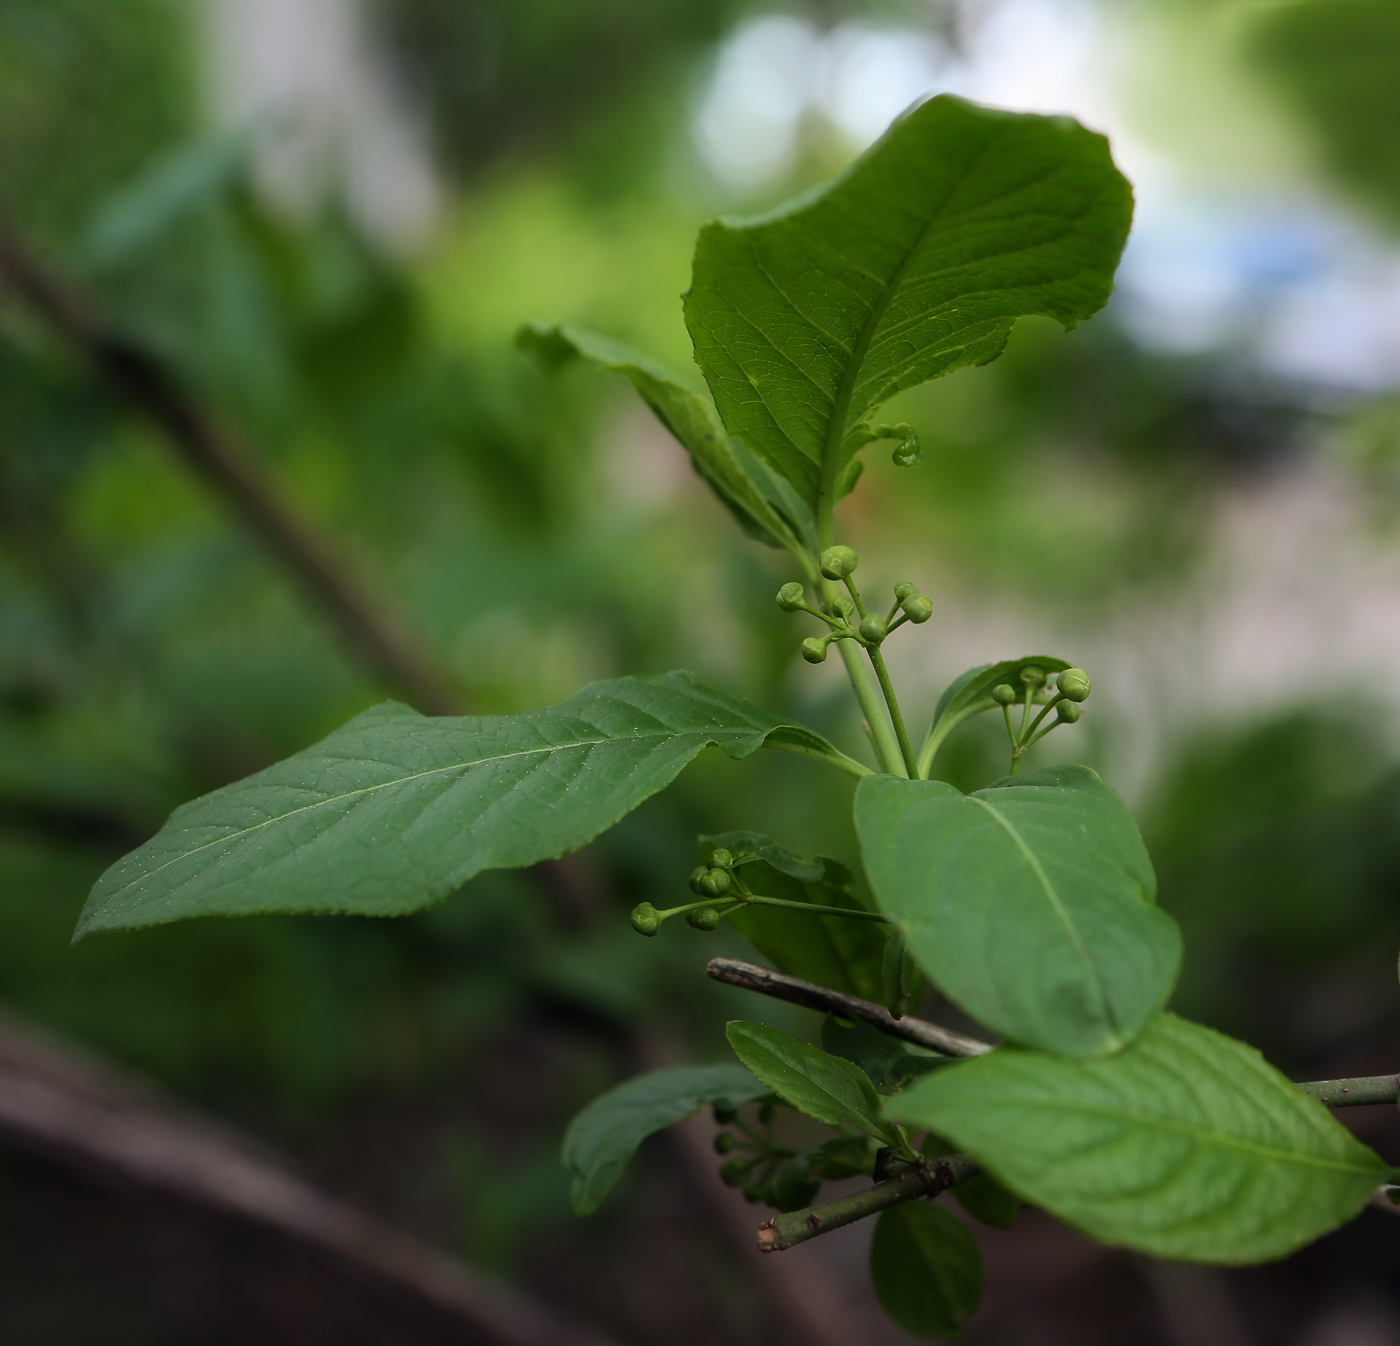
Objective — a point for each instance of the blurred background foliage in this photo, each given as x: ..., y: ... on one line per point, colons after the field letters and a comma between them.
x: 330, y: 219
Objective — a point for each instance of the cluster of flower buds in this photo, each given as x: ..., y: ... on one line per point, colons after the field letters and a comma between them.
x: 869, y: 629
x: 1070, y: 691
x: 710, y: 882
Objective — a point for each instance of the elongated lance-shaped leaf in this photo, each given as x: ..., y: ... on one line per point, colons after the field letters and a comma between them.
x: 1187, y: 1145
x: 1028, y: 903
x: 826, y: 1087
x: 396, y: 810
x: 604, y: 1136
x: 915, y: 262
x: 764, y: 504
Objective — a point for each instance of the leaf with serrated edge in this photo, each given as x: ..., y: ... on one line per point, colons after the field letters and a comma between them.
x: 395, y: 810
x: 764, y: 504
x: 926, y: 1268
x: 604, y: 1136
x: 1188, y: 1145
x: 811, y: 1080
x: 1029, y: 903
x: 915, y: 262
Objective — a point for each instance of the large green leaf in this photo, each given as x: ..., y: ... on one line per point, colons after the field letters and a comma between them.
x: 1028, y: 903
x: 604, y: 1136
x: 971, y: 694
x: 395, y: 810
x: 833, y: 951
x: 915, y: 262
x: 1187, y: 1145
x: 806, y: 1078
x: 764, y: 504
x: 926, y: 1268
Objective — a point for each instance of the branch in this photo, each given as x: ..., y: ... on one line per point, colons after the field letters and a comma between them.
x: 1351, y: 1093
x: 751, y: 977
x: 927, y: 1180
x: 54, y: 1101
x: 155, y: 390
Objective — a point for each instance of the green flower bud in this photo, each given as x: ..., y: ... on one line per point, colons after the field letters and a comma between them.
x: 1074, y: 684
x: 791, y: 597
x: 703, y: 918
x: 723, y: 1116
x: 714, y: 884
x: 814, y: 650
x: 720, y: 858
x: 842, y: 606
x: 837, y: 562
x: 733, y: 1171
x: 918, y: 608
x: 909, y: 452
x: 1067, y: 712
x: 873, y: 629
x: 645, y: 919
x: 1003, y: 693
x: 696, y: 875
x: 753, y: 1194
x: 1033, y: 676
x: 724, y: 1142
x: 905, y: 589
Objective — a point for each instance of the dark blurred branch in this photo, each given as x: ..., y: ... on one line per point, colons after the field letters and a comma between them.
x: 55, y: 1102
x: 751, y: 977
x: 927, y: 1180
x: 156, y: 391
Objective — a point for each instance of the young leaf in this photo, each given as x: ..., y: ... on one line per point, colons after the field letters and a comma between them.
x: 985, y: 1199
x: 808, y: 1079
x: 396, y: 810
x: 970, y: 695
x: 915, y: 262
x: 1028, y: 903
x: 1187, y: 1145
x: 927, y: 1269
x: 887, y: 1062
x: 764, y: 504
x: 605, y: 1135
x: 833, y: 951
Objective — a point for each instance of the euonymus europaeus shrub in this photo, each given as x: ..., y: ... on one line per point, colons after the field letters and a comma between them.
x: 1029, y: 903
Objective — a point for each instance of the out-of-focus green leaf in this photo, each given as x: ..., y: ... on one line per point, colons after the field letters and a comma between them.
x: 970, y: 695
x: 1028, y: 903
x: 604, y: 1136
x: 915, y: 262
x: 927, y: 1269
x: 985, y: 1199
x: 844, y: 954
x: 764, y: 504
x: 812, y: 1081
x: 1186, y: 1145
x: 396, y: 810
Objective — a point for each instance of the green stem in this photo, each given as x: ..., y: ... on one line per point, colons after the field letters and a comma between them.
x: 906, y: 750
x: 833, y: 758
x: 886, y: 745
x: 814, y: 909
x: 1349, y: 1093
x: 1035, y: 724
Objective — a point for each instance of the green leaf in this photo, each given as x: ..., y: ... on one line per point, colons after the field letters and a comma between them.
x: 985, y: 1199
x: 970, y: 695
x: 1028, y: 903
x: 832, y: 951
x: 887, y: 1063
x: 1187, y: 1145
x: 765, y: 505
x: 395, y: 810
x: 915, y: 262
x: 927, y: 1269
x: 604, y: 1136
x: 812, y: 1081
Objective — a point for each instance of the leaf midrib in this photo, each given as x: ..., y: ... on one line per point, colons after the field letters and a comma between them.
x: 1058, y: 907
x: 404, y: 780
